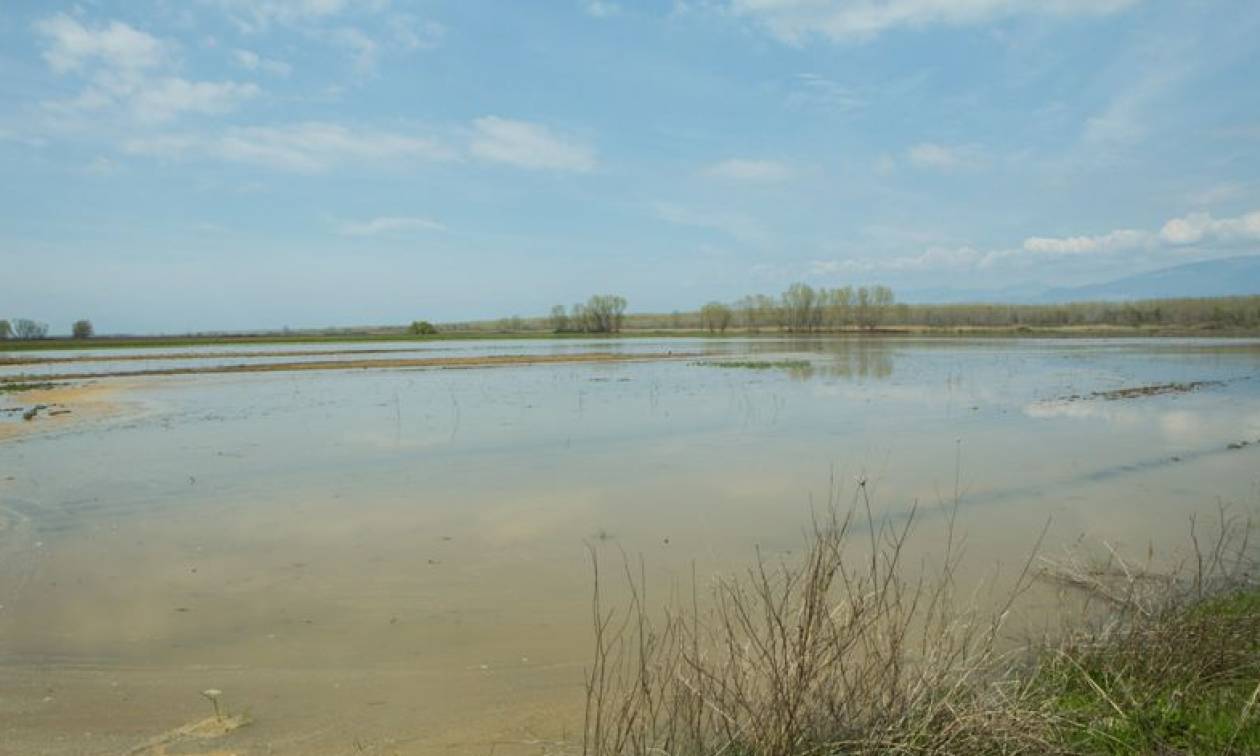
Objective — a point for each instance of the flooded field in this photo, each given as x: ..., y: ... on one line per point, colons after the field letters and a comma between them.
x: 394, y: 559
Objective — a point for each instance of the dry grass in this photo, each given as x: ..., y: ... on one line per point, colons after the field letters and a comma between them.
x: 850, y: 651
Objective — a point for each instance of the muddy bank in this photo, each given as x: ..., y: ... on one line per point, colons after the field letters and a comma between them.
x: 417, y: 362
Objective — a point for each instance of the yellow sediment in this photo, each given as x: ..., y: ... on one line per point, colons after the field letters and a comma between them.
x: 478, y: 361
x: 84, y: 401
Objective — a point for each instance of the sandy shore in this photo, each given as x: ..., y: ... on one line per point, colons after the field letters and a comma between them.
x: 478, y: 361
x: 63, y: 405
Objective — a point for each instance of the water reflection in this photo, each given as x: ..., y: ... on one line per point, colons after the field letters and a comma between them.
x: 402, y: 553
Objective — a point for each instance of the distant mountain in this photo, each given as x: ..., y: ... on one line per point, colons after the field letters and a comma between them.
x: 1214, y: 278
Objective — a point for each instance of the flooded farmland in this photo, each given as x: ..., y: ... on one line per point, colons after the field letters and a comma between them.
x: 394, y: 558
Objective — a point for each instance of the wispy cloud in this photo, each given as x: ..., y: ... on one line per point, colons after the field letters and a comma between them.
x: 943, y: 157
x: 390, y: 226
x: 600, y: 8
x: 252, y: 61
x: 795, y: 21
x: 809, y: 90
x: 747, y: 169
x: 1199, y: 231
x: 933, y: 258
x: 305, y: 147
x: 734, y: 225
x: 254, y: 16
x: 1113, y: 241
x: 120, y: 65
x: 1218, y: 193
x: 412, y: 33
x: 72, y: 46
x: 528, y: 145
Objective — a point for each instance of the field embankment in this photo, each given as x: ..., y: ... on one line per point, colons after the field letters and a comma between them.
x: 476, y: 361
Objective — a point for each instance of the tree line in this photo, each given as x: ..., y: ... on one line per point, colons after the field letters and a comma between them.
x: 25, y: 329
x: 602, y: 313
x: 803, y: 309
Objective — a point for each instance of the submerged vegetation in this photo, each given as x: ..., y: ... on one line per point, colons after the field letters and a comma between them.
x: 15, y: 387
x: 850, y: 651
x: 759, y: 364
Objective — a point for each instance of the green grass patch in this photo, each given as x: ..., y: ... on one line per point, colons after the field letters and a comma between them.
x: 1186, y: 682
x: 14, y: 388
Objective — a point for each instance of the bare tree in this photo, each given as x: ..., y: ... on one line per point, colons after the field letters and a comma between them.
x: 746, y: 307
x: 838, y: 306
x: 605, y: 313
x: 579, y: 318
x: 29, y: 329
x: 715, y: 317
x: 82, y: 329
x: 6, y: 330
x: 881, y: 304
x: 801, y: 307
x: 559, y: 320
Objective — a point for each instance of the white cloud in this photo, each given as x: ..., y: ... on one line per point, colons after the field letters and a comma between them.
x: 413, y: 34
x: 257, y: 15
x: 119, y: 64
x: 794, y: 21
x: 1218, y: 193
x: 305, y: 147
x: 100, y: 166
x: 163, y: 99
x: 1202, y: 227
x: 116, y: 45
x: 601, y: 8
x: 934, y: 258
x: 734, y: 225
x: 1115, y: 241
x: 744, y: 169
x: 252, y: 61
x: 390, y: 226
x: 813, y: 91
x: 1190, y: 231
x: 1193, y: 229
x: 362, y: 48
x: 941, y: 157
x: 528, y: 145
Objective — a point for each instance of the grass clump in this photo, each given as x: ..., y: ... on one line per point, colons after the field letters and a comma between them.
x: 19, y: 387
x: 849, y: 651
x: 1186, y: 683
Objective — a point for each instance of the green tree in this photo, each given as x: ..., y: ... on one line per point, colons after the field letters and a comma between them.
x: 82, y: 329
x: 421, y: 328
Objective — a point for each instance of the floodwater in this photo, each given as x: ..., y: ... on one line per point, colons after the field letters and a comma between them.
x: 389, y: 561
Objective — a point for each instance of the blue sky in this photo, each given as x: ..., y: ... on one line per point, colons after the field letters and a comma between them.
x: 230, y: 164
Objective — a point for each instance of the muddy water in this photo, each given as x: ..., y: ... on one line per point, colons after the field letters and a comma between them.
x: 396, y: 560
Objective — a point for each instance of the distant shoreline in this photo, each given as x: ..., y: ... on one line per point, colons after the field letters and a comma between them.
x: 1051, y: 332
